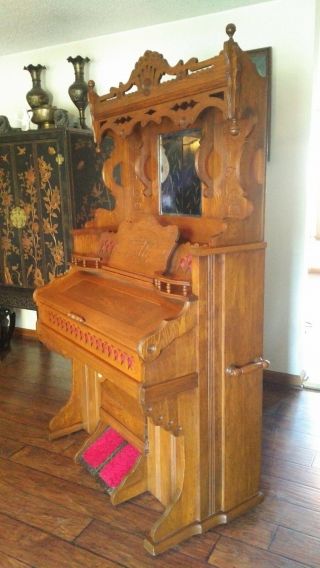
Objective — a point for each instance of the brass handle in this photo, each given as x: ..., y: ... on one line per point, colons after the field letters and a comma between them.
x: 258, y: 363
x: 76, y: 317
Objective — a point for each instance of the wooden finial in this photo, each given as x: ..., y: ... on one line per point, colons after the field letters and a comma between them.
x: 230, y: 30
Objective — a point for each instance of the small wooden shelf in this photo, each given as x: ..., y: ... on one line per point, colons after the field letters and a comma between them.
x: 172, y: 286
x: 86, y: 261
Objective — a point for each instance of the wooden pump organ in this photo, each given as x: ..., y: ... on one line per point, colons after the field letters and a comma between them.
x: 162, y: 310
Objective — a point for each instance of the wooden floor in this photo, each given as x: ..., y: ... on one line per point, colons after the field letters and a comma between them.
x: 53, y: 515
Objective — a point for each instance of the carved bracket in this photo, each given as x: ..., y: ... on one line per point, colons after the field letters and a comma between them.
x: 160, y: 402
x: 201, y: 162
x: 183, y: 112
x: 165, y: 414
x: 229, y: 198
x: 151, y: 346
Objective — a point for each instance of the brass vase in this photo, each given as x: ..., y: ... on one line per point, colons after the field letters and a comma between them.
x: 44, y: 116
x: 78, y: 91
x: 37, y: 96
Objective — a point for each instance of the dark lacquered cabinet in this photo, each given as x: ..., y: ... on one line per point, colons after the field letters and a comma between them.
x: 50, y: 182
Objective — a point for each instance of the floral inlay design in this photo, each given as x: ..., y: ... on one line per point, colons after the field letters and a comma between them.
x: 10, y: 252
x: 106, y: 248
x: 185, y: 263
x: 92, y: 193
x: 32, y: 247
x: 49, y: 184
x: 51, y: 196
x: 18, y: 217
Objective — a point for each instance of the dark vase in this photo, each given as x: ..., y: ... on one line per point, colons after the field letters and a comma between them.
x: 78, y: 91
x: 37, y: 96
x: 7, y: 325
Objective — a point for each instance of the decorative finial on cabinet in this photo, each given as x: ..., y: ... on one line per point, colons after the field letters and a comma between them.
x: 231, y: 30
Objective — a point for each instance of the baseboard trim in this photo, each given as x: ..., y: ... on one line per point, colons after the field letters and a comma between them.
x: 283, y: 379
x: 26, y: 333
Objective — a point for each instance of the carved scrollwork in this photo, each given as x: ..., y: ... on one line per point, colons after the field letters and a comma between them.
x: 170, y: 330
x: 149, y: 70
x: 141, y: 164
x: 201, y: 162
x: 229, y: 197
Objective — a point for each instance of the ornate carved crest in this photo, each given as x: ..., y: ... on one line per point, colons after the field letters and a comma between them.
x: 150, y: 69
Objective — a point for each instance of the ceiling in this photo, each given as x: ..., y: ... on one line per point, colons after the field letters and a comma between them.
x: 31, y: 24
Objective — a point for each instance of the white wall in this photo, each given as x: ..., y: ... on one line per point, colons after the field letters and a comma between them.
x: 285, y: 25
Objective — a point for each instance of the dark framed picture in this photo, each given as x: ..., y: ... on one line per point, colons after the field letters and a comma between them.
x: 262, y: 59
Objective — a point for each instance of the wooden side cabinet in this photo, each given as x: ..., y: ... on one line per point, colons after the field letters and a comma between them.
x: 50, y: 183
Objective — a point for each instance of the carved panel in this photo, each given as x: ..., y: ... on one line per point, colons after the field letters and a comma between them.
x: 221, y: 96
x: 143, y: 247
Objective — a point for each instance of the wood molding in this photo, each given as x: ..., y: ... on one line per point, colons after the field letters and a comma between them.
x: 26, y: 333
x: 283, y: 379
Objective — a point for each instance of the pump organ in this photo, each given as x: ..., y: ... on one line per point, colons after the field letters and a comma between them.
x: 162, y: 310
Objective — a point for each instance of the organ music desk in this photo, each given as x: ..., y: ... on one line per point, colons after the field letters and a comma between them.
x: 162, y: 310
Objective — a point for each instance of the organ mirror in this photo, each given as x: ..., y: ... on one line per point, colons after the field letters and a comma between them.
x: 179, y: 183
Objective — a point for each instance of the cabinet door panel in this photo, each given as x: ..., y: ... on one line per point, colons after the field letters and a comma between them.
x: 54, y: 213
x: 50, y: 182
x: 90, y: 191
x: 11, y: 263
x: 27, y: 199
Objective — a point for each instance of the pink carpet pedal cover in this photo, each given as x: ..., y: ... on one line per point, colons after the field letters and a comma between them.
x: 109, y: 458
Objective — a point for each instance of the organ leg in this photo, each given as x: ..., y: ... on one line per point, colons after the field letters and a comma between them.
x: 179, y: 520
x: 81, y: 412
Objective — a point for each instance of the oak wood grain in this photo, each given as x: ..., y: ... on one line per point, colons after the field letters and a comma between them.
x: 33, y: 499
x: 251, y: 529
x: 37, y: 512
x: 292, y: 492
x: 293, y: 472
x: 43, y: 550
x: 228, y: 552
x: 10, y: 562
x: 288, y: 515
x: 9, y: 447
x: 33, y: 435
x: 78, y: 498
x: 94, y: 538
x: 57, y: 465
x: 297, y: 546
x: 296, y: 454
